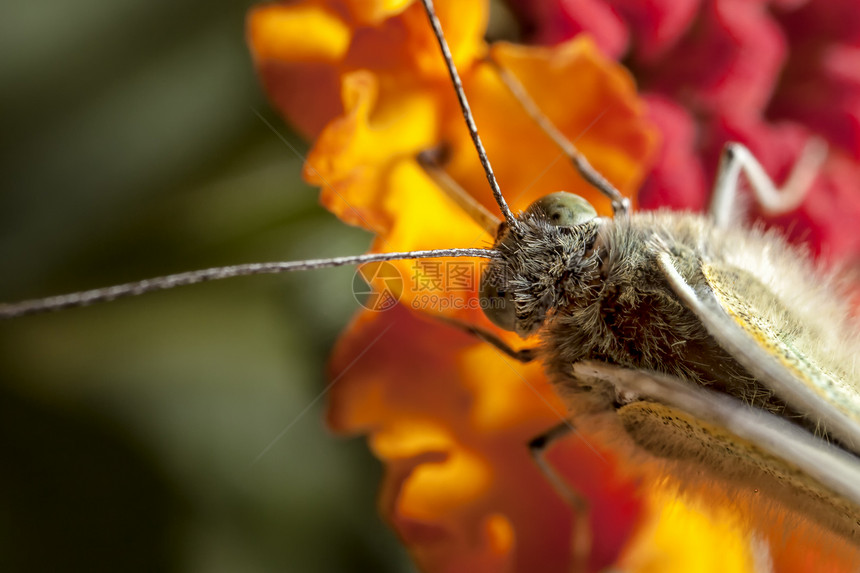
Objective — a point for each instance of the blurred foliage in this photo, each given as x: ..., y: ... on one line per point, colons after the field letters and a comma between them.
x: 131, y: 148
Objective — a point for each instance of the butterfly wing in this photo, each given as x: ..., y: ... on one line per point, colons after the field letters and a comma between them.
x: 744, y: 446
x: 722, y: 305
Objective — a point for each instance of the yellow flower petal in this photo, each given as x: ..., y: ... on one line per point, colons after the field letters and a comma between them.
x: 297, y: 33
x: 685, y: 539
x: 372, y: 12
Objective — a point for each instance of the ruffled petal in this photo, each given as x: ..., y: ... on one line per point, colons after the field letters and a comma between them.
x: 304, y: 50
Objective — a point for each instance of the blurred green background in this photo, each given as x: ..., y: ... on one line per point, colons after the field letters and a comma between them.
x: 130, y: 149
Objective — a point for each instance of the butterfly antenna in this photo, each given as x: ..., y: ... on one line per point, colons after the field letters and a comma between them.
x: 467, y: 114
x: 107, y: 294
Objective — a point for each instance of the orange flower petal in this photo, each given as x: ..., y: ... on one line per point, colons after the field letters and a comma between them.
x: 461, y: 488
x: 304, y: 50
x: 405, y: 46
x: 365, y: 162
x: 297, y: 33
x: 354, y: 154
x: 297, y: 49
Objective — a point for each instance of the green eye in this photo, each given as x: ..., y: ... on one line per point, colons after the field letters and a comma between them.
x: 498, y: 306
x: 563, y: 209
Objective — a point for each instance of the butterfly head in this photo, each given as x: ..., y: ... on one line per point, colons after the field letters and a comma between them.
x: 542, y: 264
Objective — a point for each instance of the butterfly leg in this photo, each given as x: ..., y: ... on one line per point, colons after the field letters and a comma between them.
x: 524, y: 355
x: 580, y: 545
x: 773, y: 200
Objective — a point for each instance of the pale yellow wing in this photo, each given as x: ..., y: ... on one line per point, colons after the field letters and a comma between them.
x: 726, y: 307
x: 743, y: 446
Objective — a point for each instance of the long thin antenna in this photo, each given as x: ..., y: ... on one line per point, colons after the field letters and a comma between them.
x: 467, y: 114
x: 106, y: 294
x: 620, y: 203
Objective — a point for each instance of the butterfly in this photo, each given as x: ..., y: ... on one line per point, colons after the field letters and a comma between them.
x: 639, y: 390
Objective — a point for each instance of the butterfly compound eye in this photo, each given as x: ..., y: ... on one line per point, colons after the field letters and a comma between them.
x: 563, y: 209
x: 497, y: 303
